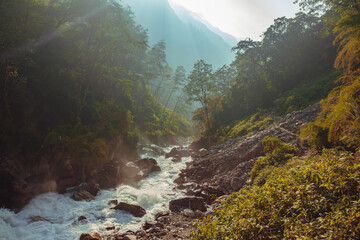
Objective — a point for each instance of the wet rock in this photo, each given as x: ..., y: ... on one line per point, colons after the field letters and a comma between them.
x: 82, y: 196
x: 148, y: 224
x: 148, y: 163
x: 193, y: 203
x: 180, y: 151
x: 176, y: 159
x: 162, y: 214
x: 203, y: 151
x: 91, y: 187
x: 180, y: 180
x: 81, y: 218
x: 189, y: 213
x: 39, y: 219
x: 141, y: 233
x: 152, y: 150
x: 130, y: 237
x: 114, y: 202
x: 130, y: 169
x: 86, y: 191
x: 90, y: 236
x: 135, y: 210
x: 110, y: 228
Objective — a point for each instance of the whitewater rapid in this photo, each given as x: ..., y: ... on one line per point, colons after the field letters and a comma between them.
x: 59, y: 213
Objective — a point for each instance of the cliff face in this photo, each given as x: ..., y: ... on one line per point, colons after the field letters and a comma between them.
x: 20, y: 180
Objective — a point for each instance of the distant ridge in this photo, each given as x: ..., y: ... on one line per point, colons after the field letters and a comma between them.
x: 186, y: 41
x: 187, y: 16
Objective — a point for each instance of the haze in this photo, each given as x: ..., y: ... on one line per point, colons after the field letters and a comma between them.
x: 240, y: 18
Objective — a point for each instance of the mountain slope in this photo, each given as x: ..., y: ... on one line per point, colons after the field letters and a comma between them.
x: 186, y: 41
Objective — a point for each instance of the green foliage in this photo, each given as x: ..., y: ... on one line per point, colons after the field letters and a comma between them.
x: 315, y: 198
x: 309, y: 93
x: 279, y: 71
x: 277, y: 154
x: 256, y: 122
x: 338, y: 124
x: 345, y: 24
x: 74, y: 76
x: 201, y: 87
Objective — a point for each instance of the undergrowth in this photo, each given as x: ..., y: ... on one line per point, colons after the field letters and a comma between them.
x: 314, y: 198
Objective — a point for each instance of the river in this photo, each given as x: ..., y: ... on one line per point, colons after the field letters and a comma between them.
x: 59, y: 213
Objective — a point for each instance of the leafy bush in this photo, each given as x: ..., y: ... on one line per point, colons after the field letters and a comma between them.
x: 307, y: 94
x: 277, y: 154
x: 314, y: 198
x: 339, y: 122
x: 256, y: 122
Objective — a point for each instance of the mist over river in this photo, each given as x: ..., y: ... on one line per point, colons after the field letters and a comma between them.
x: 55, y: 216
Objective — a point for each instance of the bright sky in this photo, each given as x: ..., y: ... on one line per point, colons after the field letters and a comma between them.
x: 240, y: 18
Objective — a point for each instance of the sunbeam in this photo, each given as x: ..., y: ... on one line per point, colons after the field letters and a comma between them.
x: 52, y: 35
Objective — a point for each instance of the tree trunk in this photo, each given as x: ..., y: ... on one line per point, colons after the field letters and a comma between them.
x: 167, y: 101
x: 173, y: 112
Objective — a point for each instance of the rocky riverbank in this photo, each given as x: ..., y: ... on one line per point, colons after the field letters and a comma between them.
x: 21, y: 181
x: 213, y: 174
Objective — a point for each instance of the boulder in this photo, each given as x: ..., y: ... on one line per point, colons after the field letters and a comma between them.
x: 90, y: 236
x: 82, y: 196
x: 130, y: 237
x: 181, y: 151
x: 203, y: 151
x: 162, y: 214
x: 152, y: 150
x: 148, y: 163
x: 81, y: 218
x: 91, y: 187
x: 148, y: 224
x: 113, y: 202
x: 189, y: 213
x: 135, y: 210
x: 39, y: 219
x: 193, y: 203
x: 177, y: 158
x: 130, y: 169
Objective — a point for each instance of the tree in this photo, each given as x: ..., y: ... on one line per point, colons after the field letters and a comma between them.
x: 224, y: 77
x: 178, y: 80
x: 346, y: 24
x: 201, y: 86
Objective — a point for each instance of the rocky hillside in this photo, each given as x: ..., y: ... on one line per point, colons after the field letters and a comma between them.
x: 225, y: 168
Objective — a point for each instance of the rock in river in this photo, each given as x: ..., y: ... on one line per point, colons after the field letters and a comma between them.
x: 193, y: 203
x: 135, y: 210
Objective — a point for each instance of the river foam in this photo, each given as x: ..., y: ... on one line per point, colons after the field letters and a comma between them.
x: 55, y: 216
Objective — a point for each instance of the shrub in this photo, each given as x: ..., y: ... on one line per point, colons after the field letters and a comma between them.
x: 256, y: 122
x: 277, y: 154
x: 307, y: 94
x: 314, y: 198
x: 339, y: 122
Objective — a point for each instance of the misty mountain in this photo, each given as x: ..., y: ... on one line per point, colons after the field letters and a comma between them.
x: 187, y: 39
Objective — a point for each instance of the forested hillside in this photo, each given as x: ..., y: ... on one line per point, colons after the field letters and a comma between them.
x: 290, y: 68
x: 77, y: 77
x: 301, y: 191
x: 187, y: 40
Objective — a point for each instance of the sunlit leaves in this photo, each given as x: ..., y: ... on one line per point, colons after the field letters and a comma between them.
x: 315, y: 198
